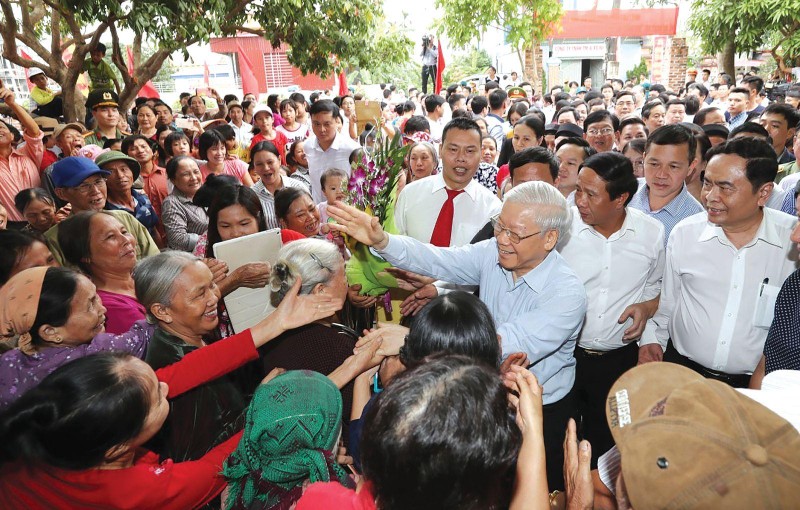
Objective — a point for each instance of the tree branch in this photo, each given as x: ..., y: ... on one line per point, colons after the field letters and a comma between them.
x: 116, y: 57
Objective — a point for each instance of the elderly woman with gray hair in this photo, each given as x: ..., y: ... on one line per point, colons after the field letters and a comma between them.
x: 422, y: 161
x: 536, y: 300
x: 322, y: 345
x: 179, y: 294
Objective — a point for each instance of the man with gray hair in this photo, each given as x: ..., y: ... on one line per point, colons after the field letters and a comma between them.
x: 536, y: 300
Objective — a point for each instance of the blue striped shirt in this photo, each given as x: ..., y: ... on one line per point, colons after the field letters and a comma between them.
x: 680, y: 207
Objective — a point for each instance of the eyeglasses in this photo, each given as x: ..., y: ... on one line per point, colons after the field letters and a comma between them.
x: 512, y: 236
x: 87, y: 187
x: 604, y: 131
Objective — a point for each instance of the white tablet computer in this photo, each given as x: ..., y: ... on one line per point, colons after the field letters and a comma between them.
x: 246, y: 307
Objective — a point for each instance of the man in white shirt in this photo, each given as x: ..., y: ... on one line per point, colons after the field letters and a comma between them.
x: 618, y: 253
x: 723, y: 266
x: 327, y: 148
x: 243, y: 130
x: 434, y: 110
x: 421, y: 202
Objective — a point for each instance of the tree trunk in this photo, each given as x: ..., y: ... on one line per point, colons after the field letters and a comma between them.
x: 727, y: 57
x: 532, y: 66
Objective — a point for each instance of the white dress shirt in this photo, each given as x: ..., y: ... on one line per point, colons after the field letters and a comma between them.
x: 337, y: 156
x: 618, y: 271
x: 710, y: 291
x: 244, y: 134
x: 420, y: 202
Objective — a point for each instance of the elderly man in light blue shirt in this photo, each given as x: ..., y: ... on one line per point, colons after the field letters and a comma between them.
x: 536, y: 300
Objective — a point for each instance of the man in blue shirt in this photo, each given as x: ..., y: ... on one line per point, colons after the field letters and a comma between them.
x: 538, y: 303
x: 669, y: 158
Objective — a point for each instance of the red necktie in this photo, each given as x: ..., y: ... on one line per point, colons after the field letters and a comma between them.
x: 444, y: 223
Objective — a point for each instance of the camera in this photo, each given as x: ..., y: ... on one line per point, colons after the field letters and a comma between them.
x: 426, y: 40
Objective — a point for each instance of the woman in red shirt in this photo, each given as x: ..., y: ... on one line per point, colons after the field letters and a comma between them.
x: 75, y: 441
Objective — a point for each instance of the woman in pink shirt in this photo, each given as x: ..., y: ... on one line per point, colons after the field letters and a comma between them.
x: 212, y: 149
x: 19, y: 168
x: 100, y: 246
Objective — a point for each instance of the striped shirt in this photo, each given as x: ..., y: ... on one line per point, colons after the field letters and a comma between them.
x: 183, y: 221
x: 680, y: 207
x: 268, y: 199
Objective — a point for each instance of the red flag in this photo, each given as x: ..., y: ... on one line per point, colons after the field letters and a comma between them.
x: 148, y: 89
x: 27, y: 70
x: 205, y: 74
x: 439, y: 68
x: 343, y: 84
x: 249, y: 81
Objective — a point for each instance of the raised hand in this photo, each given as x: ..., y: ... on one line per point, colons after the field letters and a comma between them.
x: 357, y: 224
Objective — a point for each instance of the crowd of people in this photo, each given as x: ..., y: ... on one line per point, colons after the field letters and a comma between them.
x: 597, y: 301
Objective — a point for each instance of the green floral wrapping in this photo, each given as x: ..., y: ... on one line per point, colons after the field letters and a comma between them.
x: 368, y: 270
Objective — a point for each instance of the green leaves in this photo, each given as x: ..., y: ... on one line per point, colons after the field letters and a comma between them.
x: 525, y: 21
x: 752, y: 23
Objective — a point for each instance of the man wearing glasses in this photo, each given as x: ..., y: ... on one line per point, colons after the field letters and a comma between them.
x: 538, y: 303
x: 601, y: 130
x: 82, y: 183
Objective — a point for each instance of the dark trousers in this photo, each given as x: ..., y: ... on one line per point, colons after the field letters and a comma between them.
x: 54, y: 109
x: 672, y: 355
x: 428, y: 71
x: 595, y: 373
x: 555, y: 417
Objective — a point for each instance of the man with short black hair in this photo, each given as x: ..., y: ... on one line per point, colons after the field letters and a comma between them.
x: 793, y: 97
x: 479, y: 106
x: 754, y: 85
x: 608, y: 95
x: 630, y: 128
x: 780, y: 121
x: 456, y: 102
x: 434, y: 109
x: 601, y: 129
x: 722, y: 267
x: 498, y: 102
x: 608, y: 244
x: 738, y: 101
x: 676, y: 111
x: 625, y: 103
x: 669, y: 159
x: 571, y: 153
x: 699, y: 90
x: 327, y: 148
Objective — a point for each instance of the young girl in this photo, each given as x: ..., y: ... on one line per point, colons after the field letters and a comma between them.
x: 292, y: 129
x: 265, y: 131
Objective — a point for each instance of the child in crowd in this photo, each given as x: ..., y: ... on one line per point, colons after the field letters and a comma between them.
x: 333, y: 182
x: 101, y: 76
x: 48, y: 102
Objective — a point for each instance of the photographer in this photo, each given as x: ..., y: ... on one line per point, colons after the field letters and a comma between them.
x: 429, y: 57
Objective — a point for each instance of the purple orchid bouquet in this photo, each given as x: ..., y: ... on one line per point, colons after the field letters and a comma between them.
x: 373, y: 189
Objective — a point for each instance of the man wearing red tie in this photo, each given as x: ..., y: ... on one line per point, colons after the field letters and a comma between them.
x: 448, y: 208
